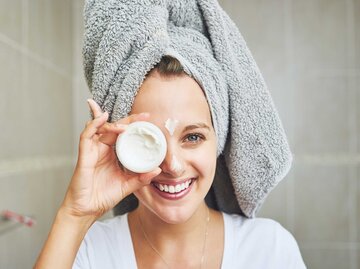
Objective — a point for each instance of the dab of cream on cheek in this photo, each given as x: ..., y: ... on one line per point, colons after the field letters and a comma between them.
x: 170, y: 125
x: 175, y: 164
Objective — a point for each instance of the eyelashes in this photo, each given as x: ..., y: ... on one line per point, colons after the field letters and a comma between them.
x: 194, y: 138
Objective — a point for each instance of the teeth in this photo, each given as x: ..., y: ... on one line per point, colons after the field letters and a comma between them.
x: 173, y: 189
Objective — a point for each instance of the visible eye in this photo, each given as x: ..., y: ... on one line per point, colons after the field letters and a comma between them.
x: 194, y: 138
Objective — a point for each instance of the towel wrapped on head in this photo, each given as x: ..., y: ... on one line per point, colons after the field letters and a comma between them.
x: 124, y: 40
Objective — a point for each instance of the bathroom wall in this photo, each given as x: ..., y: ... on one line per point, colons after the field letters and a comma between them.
x: 309, y: 53
x: 36, y: 116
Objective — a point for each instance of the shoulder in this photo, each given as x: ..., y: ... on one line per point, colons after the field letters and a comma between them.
x: 108, y: 225
x: 259, y: 227
x: 265, y: 238
x: 101, y: 246
x: 105, y: 229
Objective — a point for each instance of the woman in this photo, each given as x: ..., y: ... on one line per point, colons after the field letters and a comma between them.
x: 164, y: 231
x: 183, y: 66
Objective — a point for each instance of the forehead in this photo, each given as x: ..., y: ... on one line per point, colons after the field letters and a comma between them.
x: 178, y: 97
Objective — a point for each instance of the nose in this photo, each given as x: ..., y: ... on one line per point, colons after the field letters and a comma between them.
x: 173, y: 164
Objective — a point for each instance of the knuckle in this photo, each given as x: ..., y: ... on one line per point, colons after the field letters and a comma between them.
x: 82, y: 136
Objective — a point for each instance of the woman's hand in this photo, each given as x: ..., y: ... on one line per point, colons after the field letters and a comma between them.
x: 98, y: 183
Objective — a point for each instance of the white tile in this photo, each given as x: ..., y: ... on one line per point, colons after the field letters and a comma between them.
x: 357, y: 109
x: 321, y: 115
x: 357, y: 205
x: 11, y: 109
x: 320, y: 34
x: 326, y: 258
x: 38, y: 194
x: 276, y: 205
x: 262, y: 24
x: 50, y: 31
x: 11, y: 19
x: 357, y: 32
x: 322, y: 207
x: 48, y: 112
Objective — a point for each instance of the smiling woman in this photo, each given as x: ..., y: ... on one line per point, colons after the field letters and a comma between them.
x: 192, y: 145
x: 170, y: 225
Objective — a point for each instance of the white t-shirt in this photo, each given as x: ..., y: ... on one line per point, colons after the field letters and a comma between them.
x: 249, y: 243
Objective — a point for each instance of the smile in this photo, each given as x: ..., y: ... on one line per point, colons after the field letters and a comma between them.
x: 173, y: 191
x: 173, y: 188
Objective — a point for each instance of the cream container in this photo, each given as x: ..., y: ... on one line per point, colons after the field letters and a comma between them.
x: 141, y: 147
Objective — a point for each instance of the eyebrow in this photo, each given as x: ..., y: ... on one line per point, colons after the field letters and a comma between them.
x: 196, y: 126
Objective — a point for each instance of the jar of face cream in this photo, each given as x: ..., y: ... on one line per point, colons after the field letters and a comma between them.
x: 141, y: 147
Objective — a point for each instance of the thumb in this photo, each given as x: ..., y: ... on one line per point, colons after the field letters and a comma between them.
x: 141, y: 180
x: 147, y: 177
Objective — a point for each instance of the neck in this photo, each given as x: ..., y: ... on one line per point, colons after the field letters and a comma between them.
x: 166, y: 237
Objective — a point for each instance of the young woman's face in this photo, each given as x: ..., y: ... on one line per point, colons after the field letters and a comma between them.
x: 177, y: 105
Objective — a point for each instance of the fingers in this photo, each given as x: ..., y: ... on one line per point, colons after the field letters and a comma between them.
x: 108, y: 131
x: 95, y: 108
x: 118, y: 126
x: 112, y: 128
x: 108, y: 139
x: 140, y: 180
x: 92, y: 127
x: 147, y: 177
x: 134, y: 117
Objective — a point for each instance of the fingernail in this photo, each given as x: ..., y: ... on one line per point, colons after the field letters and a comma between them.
x: 144, y: 114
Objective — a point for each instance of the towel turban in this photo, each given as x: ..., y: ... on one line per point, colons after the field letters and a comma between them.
x: 124, y: 40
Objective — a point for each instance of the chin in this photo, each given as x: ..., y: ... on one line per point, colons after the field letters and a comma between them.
x: 174, y: 215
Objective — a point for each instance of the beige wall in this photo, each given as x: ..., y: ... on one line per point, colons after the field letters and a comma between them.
x: 36, y: 115
x: 309, y: 53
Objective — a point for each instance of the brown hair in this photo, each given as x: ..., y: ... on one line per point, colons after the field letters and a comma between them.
x: 169, y: 66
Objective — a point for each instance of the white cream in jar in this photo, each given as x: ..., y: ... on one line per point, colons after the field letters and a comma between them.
x: 141, y: 147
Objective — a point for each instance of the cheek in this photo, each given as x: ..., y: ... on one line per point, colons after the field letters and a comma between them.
x: 204, y: 159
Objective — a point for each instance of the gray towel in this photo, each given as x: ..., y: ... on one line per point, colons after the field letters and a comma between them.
x: 125, y: 39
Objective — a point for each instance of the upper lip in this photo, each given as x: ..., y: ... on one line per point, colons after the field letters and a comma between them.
x: 172, y: 182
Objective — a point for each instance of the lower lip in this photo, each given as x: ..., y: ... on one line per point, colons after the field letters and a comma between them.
x: 174, y: 196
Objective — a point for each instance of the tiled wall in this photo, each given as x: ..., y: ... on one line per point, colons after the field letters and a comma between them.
x: 308, y: 51
x: 36, y: 116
